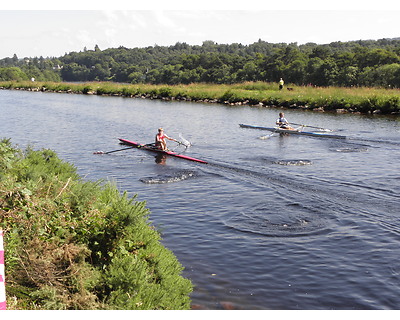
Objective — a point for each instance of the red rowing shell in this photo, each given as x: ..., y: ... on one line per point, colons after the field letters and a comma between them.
x: 170, y: 153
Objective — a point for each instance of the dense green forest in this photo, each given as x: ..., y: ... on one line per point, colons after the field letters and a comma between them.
x: 371, y: 63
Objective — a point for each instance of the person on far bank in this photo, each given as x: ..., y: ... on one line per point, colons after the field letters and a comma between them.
x: 282, y: 123
x: 281, y: 83
x: 160, y: 139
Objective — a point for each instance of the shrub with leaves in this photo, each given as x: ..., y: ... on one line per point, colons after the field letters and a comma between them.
x: 74, y: 244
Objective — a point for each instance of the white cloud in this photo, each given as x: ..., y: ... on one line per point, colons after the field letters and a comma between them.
x: 163, y: 20
x: 52, y: 33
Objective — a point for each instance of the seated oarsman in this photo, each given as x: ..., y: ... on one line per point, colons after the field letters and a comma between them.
x: 160, y: 140
x: 282, y: 123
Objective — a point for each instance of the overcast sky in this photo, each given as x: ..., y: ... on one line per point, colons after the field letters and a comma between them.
x: 34, y: 29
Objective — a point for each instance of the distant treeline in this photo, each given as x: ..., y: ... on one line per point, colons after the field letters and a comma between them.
x: 371, y: 63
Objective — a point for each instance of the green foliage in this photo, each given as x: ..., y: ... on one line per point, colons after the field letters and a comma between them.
x: 86, y: 89
x: 165, y: 92
x: 231, y: 96
x: 7, y: 155
x: 353, y: 63
x: 72, y: 244
x: 12, y: 73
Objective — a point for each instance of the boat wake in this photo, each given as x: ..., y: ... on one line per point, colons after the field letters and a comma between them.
x: 306, y: 205
x: 292, y: 220
x: 176, y: 177
x: 377, y: 141
x: 293, y: 162
x: 348, y: 146
x: 347, y: 149
x: 292, y: 215
x: 282, y: 162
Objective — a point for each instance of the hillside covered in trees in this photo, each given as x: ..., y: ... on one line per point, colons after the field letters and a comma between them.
x: 372, y: 63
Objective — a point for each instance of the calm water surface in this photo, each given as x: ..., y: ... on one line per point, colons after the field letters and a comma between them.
x: 285, y: 222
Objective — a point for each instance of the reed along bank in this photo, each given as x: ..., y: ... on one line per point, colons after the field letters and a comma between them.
x: 323, y: 99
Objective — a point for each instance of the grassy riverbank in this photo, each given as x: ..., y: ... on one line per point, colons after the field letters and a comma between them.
x: 72, y: 244
x: 332, y: 99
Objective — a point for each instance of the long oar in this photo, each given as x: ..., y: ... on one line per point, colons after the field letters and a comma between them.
x: 304, y: 125
x: 101, y: 152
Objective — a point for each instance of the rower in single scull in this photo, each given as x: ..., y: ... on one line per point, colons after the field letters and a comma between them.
x: 283, y: 123
x: 160, y: 140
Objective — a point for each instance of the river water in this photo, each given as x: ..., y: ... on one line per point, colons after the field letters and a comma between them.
x: 283, y: 222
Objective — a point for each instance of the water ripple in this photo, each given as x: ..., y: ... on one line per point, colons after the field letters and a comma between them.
x: 290, y: 220
x: 176, y: 177
x: 293, y: 162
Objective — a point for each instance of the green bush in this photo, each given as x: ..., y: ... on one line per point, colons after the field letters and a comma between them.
x: 73, y: 244
x: 165, y: 92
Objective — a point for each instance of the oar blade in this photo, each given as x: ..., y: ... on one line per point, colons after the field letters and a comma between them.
x: 267, y: 136
x: 183, y: 141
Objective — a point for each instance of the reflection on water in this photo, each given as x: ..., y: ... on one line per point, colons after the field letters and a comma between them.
x: 280, y: 223
x: 161, y: 159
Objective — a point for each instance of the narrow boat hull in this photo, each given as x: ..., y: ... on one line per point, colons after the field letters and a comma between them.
x: 156, y: 150
x: 298, y: 132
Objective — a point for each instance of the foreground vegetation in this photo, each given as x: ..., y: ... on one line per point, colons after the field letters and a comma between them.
x: 362, y: 100
x: 72, y: 244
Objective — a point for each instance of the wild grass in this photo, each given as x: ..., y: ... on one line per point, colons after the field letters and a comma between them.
x: 74, y: 244
x: 360, y: 99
